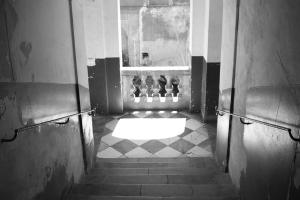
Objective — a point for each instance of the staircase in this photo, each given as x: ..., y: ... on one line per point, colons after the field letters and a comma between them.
x: 155, y: 179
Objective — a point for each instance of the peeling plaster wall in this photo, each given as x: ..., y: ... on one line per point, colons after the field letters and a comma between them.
x: 266, y: 88
x: 37, y: 85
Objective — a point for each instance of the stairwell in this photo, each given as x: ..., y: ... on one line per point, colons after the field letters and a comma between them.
x: 154, y: 179
x: 179, y: 168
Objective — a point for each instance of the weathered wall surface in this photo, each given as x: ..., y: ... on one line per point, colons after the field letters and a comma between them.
x: 105, y: 15
x: 39, y: 84
x: 215, y: 31
x: 198, y: 48
x: 226, y: 75
x: 266, y: 88
x: 164, y: 35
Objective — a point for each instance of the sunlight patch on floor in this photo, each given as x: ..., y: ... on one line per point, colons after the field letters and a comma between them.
x: 149, y: 128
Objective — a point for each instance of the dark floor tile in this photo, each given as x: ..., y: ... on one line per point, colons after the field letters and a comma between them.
x: 153, y: 146
x: 186, y: 132
x: 182, y: 146
x: 124, y: 146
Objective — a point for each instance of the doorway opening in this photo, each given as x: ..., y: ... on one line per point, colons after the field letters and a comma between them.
x: 155, y: 33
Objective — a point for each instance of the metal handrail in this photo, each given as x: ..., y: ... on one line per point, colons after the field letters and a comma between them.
x: 251, y: 121
x: 18, y: 130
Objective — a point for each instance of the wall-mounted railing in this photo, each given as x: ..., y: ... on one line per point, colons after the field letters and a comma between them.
x: 54, y: 121
x: 248, y: 121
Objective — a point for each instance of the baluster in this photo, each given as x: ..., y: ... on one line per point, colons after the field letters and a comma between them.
x: 149, y: 85
x: 137, y: 82
x: 175, y: 91
x: 162, y: 81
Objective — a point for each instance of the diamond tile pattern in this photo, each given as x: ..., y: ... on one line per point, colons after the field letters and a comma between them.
x: 124, y: 146
x: 168, y: 152
x: 153, y: 146
x: 193, y: 124
x: 187, y: 131
x: 195, y: 137
x: 182, y: 146
x: 197, y: 140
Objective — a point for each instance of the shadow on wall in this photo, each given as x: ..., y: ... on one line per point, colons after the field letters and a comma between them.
x: 43, y: 161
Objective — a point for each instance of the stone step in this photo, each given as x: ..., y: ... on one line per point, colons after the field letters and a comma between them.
x: 156, y: 190
x: 201, y: 178
x: 90, y: 197
x: 153, y: 171
x: 156, y: 163
x: 155, y: 160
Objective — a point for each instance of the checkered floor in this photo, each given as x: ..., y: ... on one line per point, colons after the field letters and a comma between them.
x: 198, y: 139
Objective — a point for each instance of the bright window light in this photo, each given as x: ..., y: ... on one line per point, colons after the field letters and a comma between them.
x: 174, y: 112
x: 149, y: 128
x: 149, y: 99
x: 148, y: 112
x: 137, y: 99
x: 162, y: 99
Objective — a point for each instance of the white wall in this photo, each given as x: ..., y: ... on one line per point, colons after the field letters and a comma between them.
x: 102, y: 25
x: 206, y: 29
x: 94, y: 31
x: 215, y: 31
x: 199, y: 21
x: 111, y: 24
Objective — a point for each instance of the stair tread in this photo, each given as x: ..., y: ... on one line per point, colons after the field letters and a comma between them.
x: 94, y: 197
x: 155, y: 160
x: 155, y: 179
x: 204, y: 178
x: 155, y: 171
x: 161, y: 190
x: 199, y: 164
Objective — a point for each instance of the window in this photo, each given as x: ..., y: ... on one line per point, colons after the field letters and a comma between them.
x: 155, y: 32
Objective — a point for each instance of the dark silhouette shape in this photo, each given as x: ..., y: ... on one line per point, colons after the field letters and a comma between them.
x: 162, y: 81
x: 175, y: 83
x: 137, y: 82
x: 149, y: 84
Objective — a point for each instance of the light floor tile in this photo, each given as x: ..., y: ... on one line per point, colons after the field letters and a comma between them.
x: 138, y: 153
x: 168, y: 152
x: 112, y: 124
x: 195, y: 138
x: 193, y: 124
x: 110, y: 140
x: 198, y: 152
x: 139, y: 142
x: 109, y: 153
x: 102, y: 146
x: 169, y: 141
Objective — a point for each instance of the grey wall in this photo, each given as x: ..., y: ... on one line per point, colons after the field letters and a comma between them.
x: 266, y: 86
x: 102, y: 24
x: 206, y: 52
x: 38, y: 63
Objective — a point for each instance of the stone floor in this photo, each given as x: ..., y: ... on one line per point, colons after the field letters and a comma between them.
x: 197, y: 140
